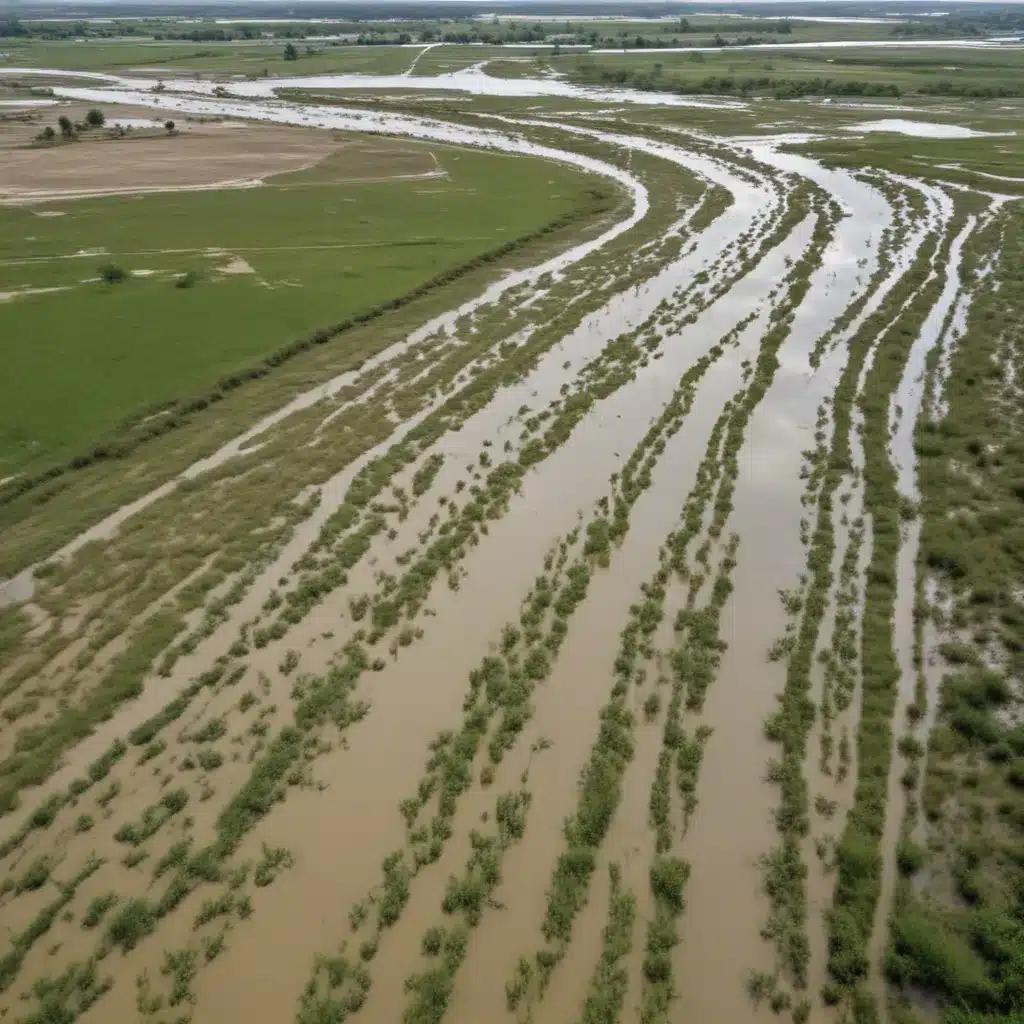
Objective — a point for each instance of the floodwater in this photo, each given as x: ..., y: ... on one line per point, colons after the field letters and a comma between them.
x: 840, y: 44
x: 908, y: 401
x: 709, y: 299
x: 28, y: 103
x: 471, y: 80
x: 920, y: 129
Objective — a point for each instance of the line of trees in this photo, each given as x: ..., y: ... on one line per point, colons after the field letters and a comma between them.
x: 94, y: 118
x: 655, y: 80
x: 135, y: 432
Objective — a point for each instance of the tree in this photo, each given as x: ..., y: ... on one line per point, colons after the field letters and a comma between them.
x: 49, y: 134
x: 67, y: 129
x: 95, y: 118
x: 111, y: 273
x: 10, y: 26
x: 169, y: 125
x: 290, y: 53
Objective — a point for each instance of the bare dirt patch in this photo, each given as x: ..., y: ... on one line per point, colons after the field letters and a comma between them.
x: 199, y: 153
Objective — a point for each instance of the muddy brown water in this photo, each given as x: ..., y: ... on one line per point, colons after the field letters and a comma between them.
x: 340, y: 833
x: 400, y: 725
x: 909, y: 397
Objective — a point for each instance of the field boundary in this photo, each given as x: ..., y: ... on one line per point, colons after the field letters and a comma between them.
x: 133, y: 433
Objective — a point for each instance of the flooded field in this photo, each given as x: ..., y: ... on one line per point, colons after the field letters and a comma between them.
x: 610, y: 646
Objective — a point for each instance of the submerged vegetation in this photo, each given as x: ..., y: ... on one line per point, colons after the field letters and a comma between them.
x: 450, y: 638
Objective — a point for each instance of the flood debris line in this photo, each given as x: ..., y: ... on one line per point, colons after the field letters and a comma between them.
x: 311, y: 587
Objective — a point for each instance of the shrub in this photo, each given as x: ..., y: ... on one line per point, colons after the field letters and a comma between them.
x: 214, y: 908
x: 132, y: 923
x: 175, y: 800
x: 111, y: 273
x: 433, y: 938
x: 668, y: 877
x: 209, y: 759
x: 35, y: 875
x: 275, y: 859
x: 652, y: 705
x: 909, y: 856
x: 98, y: 908
x: 924, y: 952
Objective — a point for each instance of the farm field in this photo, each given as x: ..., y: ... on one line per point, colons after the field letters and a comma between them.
x: 362, y: 224
x: 153, y: 56
x: 538, y: 545
x: 842, y: 73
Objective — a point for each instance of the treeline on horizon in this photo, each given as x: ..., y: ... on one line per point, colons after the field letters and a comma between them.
x: 401, y: 23
x: 654, y: 79
x: 459, y: 9
x: 419, y: 30
x: 446, y: 30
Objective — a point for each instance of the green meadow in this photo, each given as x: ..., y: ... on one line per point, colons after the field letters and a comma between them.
x: 237, y: 57
x: 789, y: 74
x: 268, y: 265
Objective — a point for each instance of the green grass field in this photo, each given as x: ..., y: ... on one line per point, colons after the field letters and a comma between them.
x: 990, y: 165
x: 252, y: 57
x: 79, y: 362
x: 247, y: 58
x: 906, y: 72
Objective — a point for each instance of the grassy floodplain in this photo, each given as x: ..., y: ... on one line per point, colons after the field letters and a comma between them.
x: 891, y: 72
x: 271, y: 265
x: 641, y: 644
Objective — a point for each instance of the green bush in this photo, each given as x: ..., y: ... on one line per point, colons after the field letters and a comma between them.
x: 131, y: 924
x: 98, y: 908
x: 909, y: 856
x: 209, y: 760
x: 668, y: 878
x: 35, y: 876
x: 925, y: 952
x: 111, y: 273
